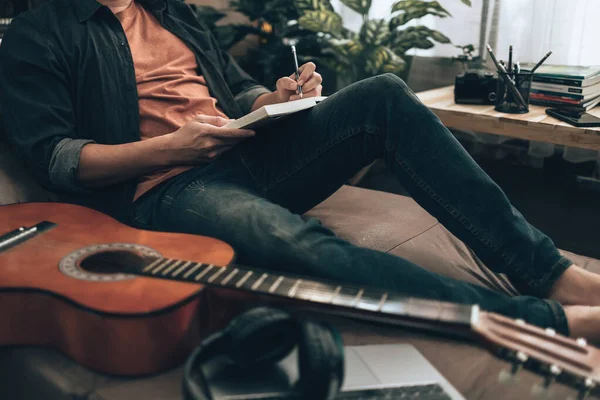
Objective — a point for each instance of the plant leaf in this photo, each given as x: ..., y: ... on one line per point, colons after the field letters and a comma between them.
x: 414, y: 9
x: 360, y: 6
x: 439, y: 37
x: 394, y: 63
x: 322, y: 21
x: 347, y: 48
x: 374, y: 32
x: 419, y: 37
x: 313, y: 5
x: 383, y: 59
x: 467, y: 2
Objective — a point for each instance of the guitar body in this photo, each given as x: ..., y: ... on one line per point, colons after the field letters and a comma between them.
x: 124, y: 301
x: 103, y: 319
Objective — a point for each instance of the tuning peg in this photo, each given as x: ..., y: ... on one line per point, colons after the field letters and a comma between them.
x: 543, y: 391
x: 506, y: 376
x: 586, y: 388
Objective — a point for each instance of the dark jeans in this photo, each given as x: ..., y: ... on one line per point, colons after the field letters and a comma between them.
x: 253, y: 198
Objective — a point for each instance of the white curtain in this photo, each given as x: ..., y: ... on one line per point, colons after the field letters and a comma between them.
x: 567, y: 27
x: 533, y: 27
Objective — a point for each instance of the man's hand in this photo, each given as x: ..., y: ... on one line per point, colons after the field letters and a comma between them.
x: 310, y: 80
x: 203, y: 140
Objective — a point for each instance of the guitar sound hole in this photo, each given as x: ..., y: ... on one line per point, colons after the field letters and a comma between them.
x: 112, y: 262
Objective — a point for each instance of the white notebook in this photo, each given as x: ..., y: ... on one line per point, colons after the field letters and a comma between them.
x: 272, y: 112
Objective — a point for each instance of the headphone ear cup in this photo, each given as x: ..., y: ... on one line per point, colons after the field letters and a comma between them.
x: 260, y: 336
x: 320, y: 362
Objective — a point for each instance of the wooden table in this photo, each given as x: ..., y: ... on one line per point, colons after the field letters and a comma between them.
x: 535, y: 125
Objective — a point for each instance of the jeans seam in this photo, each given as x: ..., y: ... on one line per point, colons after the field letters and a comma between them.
x: 263, y: 190
x: 557, y: 269
x: 461, y: 219
x: 560, y: 318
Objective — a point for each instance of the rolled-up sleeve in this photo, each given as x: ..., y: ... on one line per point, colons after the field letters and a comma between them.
x: 37, y: 107
x: 64, y: 163
x: 246, y: 98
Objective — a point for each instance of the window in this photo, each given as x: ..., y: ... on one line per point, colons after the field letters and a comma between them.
x: 567, y: 27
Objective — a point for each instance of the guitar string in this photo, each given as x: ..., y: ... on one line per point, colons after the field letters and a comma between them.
x: 319, y: 291
x: 312, y: 292
x: 314, y: 280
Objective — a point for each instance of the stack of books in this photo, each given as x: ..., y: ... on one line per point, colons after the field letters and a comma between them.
x: 573, y: 87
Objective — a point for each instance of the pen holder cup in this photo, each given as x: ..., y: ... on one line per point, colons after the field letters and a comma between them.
x: 506, y: 100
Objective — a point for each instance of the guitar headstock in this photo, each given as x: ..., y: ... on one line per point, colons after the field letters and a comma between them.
x: 554, y: 356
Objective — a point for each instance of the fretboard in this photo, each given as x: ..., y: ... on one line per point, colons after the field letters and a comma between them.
x: 311, y: 290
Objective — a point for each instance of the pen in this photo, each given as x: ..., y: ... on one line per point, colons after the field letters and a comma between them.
x: 541, y: 62
x: 504, y: 76
x: 510, y: 54
x: 297, y: 69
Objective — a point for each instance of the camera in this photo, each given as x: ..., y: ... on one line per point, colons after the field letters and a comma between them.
x: 475, y: 87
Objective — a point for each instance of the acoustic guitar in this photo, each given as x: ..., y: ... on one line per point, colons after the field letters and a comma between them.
x: 130, y: 302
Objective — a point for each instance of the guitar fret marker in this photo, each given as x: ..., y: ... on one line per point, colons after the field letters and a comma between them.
x: 171, y: 268
x: 216, y: 275
x: 228, y: 277
x: 180, y: 269
x: 244, y: 279
x: 191, y: 271
x: 201, y: 274
x: 294, y: 288
x: 276, y: 284
x: 382, y: 302
x: 259, y: 281
x: 161, y: 266
x: 152, y: 265
x: 358, y: 297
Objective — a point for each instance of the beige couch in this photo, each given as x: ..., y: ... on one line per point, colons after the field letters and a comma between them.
x: 377, y: 220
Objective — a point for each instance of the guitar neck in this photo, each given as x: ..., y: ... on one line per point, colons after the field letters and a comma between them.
x: 362, y: 302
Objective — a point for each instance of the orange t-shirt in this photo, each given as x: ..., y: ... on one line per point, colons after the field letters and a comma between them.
x: 170, y: 91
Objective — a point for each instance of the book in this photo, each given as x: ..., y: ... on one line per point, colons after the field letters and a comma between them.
x: 558, y: 99
x: 554, y: 88
x: 566, y: 96
x: 568, y: 75
x: 574, y: 107
x: 271, y: 112
x: 564, y: 71
x: 567, y: 82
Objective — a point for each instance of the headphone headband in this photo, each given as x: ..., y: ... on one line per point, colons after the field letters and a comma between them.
x: 264, y: 336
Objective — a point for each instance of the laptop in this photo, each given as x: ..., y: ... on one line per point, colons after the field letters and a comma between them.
x: 395, y: 371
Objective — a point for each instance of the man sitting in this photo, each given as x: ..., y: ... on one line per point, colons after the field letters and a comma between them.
x: 121, y: 106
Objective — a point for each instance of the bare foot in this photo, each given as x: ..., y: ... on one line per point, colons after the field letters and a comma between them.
x: 584, y: 321
x: 577, y: 287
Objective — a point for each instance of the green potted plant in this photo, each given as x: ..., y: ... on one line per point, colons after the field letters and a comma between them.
x: 274, y: 23
x: 380, y: 45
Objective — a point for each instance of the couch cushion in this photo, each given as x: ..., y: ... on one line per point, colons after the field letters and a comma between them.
x: 15, y: 185
x: 377, y: 220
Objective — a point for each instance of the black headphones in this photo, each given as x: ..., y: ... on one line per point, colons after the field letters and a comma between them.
x: 264, y: 336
